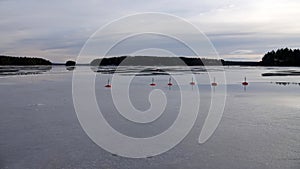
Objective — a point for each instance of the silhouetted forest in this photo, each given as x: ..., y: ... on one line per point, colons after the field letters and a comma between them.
x: 282, y: 57
x: 154, y: 61
x: 241, y: 63
x: 9, y: 60
x: 70, y: 63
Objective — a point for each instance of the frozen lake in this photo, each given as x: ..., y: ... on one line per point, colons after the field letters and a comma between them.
x: 260, y: 126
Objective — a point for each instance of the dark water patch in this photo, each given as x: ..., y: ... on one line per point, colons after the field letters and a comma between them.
x: 283, y: 73
x: 286, y: 83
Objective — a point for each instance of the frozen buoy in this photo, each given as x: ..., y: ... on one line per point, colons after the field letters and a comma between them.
x: 108, y: 85
x: 152, y: 84
x: 245, y: 83
x: 170, y: 83
x: 192, y: 82
x: 214, y: 83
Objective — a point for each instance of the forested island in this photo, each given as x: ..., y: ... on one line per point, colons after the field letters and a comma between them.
x: 154, y: 61
x: 10, y: 60
x: 167, y: 61
x: 282, y: 57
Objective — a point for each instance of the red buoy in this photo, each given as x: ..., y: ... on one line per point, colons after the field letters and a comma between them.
x: 192, y: 82
x: 108, y: 85
x: 214, y: 83
x: 170, y: 83
x: 245, y: 83
x: 152, y: 84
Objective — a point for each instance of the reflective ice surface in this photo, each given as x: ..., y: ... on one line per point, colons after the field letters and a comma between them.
x: 260, y: 127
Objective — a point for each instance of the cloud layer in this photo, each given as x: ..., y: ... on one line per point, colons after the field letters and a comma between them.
x: 58, y: 29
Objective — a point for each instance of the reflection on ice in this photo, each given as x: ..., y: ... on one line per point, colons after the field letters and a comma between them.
x: 150, y: 70
x: 23, y: 70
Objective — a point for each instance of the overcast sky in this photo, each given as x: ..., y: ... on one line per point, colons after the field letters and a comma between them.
x: 57, y: 30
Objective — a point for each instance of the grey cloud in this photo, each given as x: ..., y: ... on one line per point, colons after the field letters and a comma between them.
x: 57, y: 28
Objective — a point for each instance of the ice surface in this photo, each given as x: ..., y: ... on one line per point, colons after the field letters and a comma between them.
x: 260, y: 127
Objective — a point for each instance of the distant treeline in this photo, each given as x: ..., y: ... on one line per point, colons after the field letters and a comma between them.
x: 282, y: 57
x: 240, y: 63
x: 154, y: 61
x: 9, y: 60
